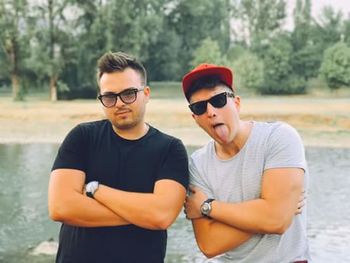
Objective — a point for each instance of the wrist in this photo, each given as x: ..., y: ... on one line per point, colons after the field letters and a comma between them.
x: 206, y: 207
x: 91, y: 188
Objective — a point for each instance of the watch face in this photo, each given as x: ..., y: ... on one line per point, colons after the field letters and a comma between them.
x: 88, y: 188
x: 205, y: 208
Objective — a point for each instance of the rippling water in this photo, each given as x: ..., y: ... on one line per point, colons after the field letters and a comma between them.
x: 24, y: 223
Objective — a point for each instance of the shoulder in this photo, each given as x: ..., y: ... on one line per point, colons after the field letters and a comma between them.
x: 202, y: 154
x: 93, y: 125
x: 162, y: 137
x: 271, y: 129
x: 282, y: 132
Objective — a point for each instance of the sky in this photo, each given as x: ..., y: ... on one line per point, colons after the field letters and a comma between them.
x: 317, y: 6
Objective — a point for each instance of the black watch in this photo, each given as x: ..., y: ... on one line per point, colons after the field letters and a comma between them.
x: 206, y: 207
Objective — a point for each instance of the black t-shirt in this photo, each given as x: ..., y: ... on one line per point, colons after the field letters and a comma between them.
x: 129, y: 165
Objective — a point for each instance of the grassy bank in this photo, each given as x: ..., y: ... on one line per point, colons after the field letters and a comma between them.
x: 322, y: 121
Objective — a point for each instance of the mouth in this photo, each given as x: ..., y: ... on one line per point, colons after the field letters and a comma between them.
x: 122, y: 112
x: 216, y: 125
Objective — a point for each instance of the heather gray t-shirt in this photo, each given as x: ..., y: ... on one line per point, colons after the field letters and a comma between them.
x: 269, y: 145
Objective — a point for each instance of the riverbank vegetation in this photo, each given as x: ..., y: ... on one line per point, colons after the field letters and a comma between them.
x: 53, y: 46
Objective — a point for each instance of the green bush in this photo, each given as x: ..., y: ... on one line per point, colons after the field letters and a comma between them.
x: 292, y: 85
x: 335, y: 67
x: 248, y: 71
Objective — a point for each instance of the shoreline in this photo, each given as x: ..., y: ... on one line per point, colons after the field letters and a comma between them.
x: 320, y: 122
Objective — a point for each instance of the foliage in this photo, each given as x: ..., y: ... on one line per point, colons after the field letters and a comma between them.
x: 259, y: 20
x: 56, y: 44
x: 196, y: 20
x: 248, y: 71
x: 278, y: 74
x: 13, y: 15
x: 208, y: 52
x: 336, y: 66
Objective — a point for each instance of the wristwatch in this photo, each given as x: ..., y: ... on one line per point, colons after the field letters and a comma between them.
x: 91, y: 188
x: 206, y: 207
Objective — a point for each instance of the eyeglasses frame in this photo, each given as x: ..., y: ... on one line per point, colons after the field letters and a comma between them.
x: 116, y: 95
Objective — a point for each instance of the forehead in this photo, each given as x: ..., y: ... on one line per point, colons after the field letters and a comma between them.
x: 206, y: 93
x: 120, y: 80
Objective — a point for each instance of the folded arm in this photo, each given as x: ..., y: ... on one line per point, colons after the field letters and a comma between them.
x: 273, y: 212
x: 214, y: 238
x: 69, y: 205
x: 234, y: 223
x: 157, y: 210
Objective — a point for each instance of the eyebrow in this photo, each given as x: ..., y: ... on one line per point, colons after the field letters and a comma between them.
x: 113, y: 93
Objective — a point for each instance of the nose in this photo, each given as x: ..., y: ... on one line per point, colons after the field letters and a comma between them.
x: 119, y: 103
x: 211, y: 111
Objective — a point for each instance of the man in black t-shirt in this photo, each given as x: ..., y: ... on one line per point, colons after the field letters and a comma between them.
x: 117, y: 184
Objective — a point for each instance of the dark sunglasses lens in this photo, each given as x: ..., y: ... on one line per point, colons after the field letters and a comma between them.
x: 199, y: 108
x: 218, y: 101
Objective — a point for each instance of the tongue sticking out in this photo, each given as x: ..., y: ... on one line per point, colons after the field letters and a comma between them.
x: 222, y: 132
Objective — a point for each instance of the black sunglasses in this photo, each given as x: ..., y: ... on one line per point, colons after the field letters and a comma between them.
x: 127, y: 96
x: 217, y: 101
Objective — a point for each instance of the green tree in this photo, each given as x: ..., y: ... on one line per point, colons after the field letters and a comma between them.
x: 248, y: 71
x: 328, y: 28
x: 87, y: 46
x: 12, y: 39
x: 302, y: 24
x: 208, y: 52
x: 336, y: 66
x: 51, y: 48
x: 306, y: 57
x: 278, y: 73
x: 259, y: 21
x: 131, y: 25
x: 162, y: 62
x: 194, y: 21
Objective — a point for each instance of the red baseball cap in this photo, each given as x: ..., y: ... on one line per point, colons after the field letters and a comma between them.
x: 224, y: 73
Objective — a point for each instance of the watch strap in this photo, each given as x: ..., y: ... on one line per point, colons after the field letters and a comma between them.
x: 208, y: 201
x: 89, y: 194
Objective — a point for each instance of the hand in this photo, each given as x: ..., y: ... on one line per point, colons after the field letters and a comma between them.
x: 193, y: 202
x: 301, y: 203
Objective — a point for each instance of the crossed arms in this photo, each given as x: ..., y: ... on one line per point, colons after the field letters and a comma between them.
x: 112, y: 207
x: 234, y: 223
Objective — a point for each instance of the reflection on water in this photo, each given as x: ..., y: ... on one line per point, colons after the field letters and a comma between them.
x: 24, y: 222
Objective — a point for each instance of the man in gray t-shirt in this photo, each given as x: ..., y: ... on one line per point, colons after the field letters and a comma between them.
x: 247, y: 182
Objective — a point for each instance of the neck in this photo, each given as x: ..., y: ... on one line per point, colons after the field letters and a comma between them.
x: 227, y: 151
x: 132, y: 133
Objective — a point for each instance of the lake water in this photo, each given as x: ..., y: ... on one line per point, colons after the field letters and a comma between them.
x: 24, y: 222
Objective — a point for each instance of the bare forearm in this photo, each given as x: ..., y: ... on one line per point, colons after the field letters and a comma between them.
x: 255, y: 216
x: 147, y: 210
x: 214, y: 238
x: 83, y: 211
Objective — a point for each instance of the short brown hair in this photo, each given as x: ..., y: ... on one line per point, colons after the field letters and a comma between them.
x: 117, y: 62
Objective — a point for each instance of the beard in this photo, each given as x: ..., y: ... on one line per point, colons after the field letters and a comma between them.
x: 129, y: 121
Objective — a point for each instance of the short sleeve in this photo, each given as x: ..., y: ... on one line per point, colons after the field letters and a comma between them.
x: 196, y: 179
x: 175, y: 164
x: 72, y: 152
x: 285, y: 149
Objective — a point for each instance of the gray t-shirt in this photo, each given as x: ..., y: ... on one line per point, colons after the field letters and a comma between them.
x: 269, y: 145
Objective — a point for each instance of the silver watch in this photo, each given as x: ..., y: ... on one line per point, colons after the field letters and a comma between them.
x: 206, y: 207
x: 91, y: 188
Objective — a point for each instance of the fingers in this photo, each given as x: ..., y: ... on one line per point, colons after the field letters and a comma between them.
x: 192, y: 188
x: 301, y: 203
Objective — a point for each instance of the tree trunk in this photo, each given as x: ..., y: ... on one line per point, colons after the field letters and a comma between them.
x: 12, y: 50
x: 15, y: 86
x: 53, y: 87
